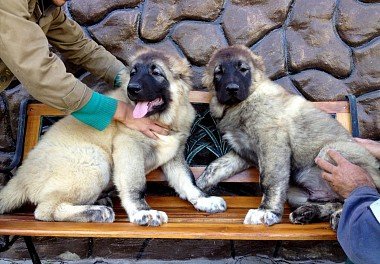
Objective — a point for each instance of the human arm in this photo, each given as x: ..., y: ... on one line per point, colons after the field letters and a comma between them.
x: 25, y: 50
x: 344, y: 177
x: 358, y: 230
x: 69, y: 39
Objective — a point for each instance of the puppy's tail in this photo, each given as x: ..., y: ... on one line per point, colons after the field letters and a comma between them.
x: 13, y: 195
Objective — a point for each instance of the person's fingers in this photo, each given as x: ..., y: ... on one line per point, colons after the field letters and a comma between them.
x: 162, y: 125
x: 327, y: 176
x: 324, y: 165
x: 150, y: 134
x: 336, y: 156
x: 159, y: 130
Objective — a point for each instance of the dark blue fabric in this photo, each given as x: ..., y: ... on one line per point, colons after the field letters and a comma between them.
x: 358, y: 230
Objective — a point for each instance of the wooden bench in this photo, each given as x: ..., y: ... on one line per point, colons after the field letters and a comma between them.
x: 184, y: 221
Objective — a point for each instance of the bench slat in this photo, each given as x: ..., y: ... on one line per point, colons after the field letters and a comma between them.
x: 319, y: 231
x: 250, y: 175
x: 184, y: 222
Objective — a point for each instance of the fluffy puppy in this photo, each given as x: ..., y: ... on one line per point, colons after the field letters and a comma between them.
x: 280, y: 133
x: 73, y: 163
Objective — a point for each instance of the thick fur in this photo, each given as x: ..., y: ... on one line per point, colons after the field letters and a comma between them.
x: 73, y: 163
x: 282, y: 134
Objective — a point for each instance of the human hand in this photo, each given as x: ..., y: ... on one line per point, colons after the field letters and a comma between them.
x: 146, y: 126
x: 372, y: 146
x: 344, y: 177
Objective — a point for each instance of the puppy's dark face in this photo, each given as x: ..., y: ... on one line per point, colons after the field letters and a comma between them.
x: 149, y: 88
x: 232, y: 79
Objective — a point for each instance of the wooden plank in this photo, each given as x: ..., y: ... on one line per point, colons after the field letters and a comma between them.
x: 200, y: 97
x: 345, y: 120
x: 32, y: 133
x: 333, y: 107
x: 184, y: 222
x: 318, y: 231
x: 250, y: 175
x: 43, y: 110
x: 195, y: 97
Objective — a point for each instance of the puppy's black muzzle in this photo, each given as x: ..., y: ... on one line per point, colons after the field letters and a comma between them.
x: 134, y: 89
x: 232, y: 89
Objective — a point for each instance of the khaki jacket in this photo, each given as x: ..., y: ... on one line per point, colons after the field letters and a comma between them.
x: 25, y: 33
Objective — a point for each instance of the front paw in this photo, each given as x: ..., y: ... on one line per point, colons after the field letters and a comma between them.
x: 149, y: 218
x: 260, y: 216
x: 211, y: 204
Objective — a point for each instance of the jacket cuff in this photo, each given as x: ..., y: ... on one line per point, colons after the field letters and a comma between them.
x: 98, y: 112
x: 362, y: 190
x: 112, y: 72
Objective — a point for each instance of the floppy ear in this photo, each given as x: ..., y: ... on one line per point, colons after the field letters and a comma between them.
x: 208, y: 78
x: 258, y: 62
x: 180, y: 68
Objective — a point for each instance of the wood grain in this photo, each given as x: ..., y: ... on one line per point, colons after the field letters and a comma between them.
x: 184, y: 222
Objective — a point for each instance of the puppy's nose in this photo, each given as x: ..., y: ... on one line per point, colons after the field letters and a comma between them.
x: 232, y: 87
x: 134, y: 88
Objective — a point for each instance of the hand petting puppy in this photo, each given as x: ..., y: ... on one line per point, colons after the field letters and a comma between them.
x: 344, y: 177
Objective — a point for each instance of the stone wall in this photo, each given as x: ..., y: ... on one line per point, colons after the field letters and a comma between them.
x: 320, y: 49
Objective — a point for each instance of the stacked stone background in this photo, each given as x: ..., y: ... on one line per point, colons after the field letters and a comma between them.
x: 320, y: 49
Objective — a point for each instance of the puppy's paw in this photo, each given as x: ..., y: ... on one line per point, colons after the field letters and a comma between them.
x: 100, y: 213
x: 212, y: 204
x: 334, y: 220
x: 303, y: 215
x: 149, y: 218
x: 260, y: 216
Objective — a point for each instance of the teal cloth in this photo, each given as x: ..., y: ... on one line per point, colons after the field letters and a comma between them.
x: 98, y: 112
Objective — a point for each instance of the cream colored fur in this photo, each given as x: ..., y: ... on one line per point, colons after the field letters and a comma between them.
x: 73, y: 163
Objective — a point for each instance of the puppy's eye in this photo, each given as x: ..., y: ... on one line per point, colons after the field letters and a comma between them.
x: 155, y: 71
x: 133, y: 71
x: 218, y: 70
x: 243, y: 67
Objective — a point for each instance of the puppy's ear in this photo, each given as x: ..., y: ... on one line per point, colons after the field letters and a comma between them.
x: 258, y: 62
x: 208, y: 78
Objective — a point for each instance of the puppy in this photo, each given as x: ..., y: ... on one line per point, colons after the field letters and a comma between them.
x: 280, y: 133
x: 73, y: 163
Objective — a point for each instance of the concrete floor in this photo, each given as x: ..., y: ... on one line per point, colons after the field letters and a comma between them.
x: 69, y: 250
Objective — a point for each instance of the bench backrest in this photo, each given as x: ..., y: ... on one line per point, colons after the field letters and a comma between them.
x: 37, y: 111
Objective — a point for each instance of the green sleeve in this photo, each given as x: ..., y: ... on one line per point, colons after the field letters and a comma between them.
x: 98, y: 112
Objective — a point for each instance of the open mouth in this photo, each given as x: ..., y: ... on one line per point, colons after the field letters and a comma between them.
x: 142, y: 108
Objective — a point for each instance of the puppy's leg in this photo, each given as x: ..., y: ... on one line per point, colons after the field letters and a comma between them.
x: 182, y: 180
x: 130, y: 181
x: 316, y: 212
x: 221, y: 169
x: 274, y: 163
x: 66, y: 212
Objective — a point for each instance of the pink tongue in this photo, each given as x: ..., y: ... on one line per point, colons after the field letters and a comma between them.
x: 140, y: 110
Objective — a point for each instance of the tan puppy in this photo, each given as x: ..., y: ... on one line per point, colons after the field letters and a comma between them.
x: 73, y: 163
x: 280, y: 133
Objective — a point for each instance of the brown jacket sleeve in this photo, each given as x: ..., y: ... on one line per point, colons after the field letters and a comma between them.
x: 24, y: 49
x: 68, y: 37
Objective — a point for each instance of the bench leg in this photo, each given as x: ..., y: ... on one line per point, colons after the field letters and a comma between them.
x: 5, y: 243
x: 90, y: 247
x: 32, y: 250
x: 277, y: 248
